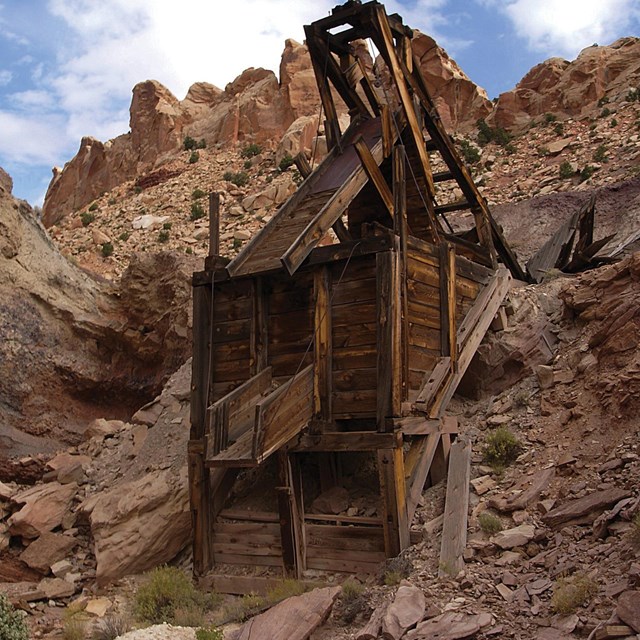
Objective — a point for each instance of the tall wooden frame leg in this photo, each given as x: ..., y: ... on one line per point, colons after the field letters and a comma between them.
x: 394, y: 500
x: 291, y: 509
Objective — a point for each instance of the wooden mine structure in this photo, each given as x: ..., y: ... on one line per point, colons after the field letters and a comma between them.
x: 342, y: 329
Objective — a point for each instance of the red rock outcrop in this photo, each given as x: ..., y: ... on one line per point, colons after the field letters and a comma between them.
x: 460, y: 102
x: 571, y: 89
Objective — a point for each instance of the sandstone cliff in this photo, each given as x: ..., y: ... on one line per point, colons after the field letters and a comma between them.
x: 571, y: 89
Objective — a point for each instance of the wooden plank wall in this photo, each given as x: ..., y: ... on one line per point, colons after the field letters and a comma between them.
x: 353, y: 320
x: 289, y: 323
x: 423, y: 292
x: 231, y: 335
x: 350, y: 549
x: 248, y: 543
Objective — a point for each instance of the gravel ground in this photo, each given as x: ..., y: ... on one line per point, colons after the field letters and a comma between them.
x: 160, y: 632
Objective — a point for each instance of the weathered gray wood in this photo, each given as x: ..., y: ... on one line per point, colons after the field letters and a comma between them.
x: 584, y: 510
x: 454, y: 529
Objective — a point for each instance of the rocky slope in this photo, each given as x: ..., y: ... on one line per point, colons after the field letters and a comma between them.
x: 74, y: 347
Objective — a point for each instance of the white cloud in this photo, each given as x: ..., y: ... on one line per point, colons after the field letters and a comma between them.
x: 31, y: 139
x: 5, y: 78
x: 566, y: 26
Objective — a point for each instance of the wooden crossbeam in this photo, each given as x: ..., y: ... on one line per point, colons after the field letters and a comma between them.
x: 374, y: 174
x: 418, y: 463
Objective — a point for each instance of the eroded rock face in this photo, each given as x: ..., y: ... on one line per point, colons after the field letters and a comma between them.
x: 571, y: 89
x: 460, y: 102
x: 140, y: 524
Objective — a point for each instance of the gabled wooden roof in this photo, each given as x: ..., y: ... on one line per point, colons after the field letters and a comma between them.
x: 383, y: 115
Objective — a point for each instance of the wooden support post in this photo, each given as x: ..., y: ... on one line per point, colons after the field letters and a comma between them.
x: 259, y: 328
x: 454, y: 529
x: 389, y: 371
x: 368, y: 88
x: 394, y: 500
x: 322, y: 386
x: 290, y: 507
x: 448, y: 330
x: 402, y: 230
x: 198, y: 474
x: 303, y: 165
x: 214, y: 224
x: 387, y: 130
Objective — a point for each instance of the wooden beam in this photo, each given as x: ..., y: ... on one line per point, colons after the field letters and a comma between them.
x: 214, y: 224
x: 448, y: 329
x: 259, y: 327
x: 368, y: 88
x: 387, y: 130
x: 401, y: 229
x: 421, y: 453
x: 199, y: 498
x: 374, y: 174
x: 347, y: 441
x: 302, y: 164
x: 322, y: 379
x: 389, y: 372
x: 394, y: 508
x: 440, y: 460
x: 290, y: 507
x: 454, y: 528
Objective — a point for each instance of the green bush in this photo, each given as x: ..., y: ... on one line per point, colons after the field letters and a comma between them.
x: 163, y: 236
x: 12, y: 623
x: 566, y: 170
x: 196, y: 194
x: 633, y: 95
x: 194, y: 157
x: 87, y: 218
x: 209, y: 633
x: 166, y: 591
x: 93, y: 207
x: 251, y: 150
x: 501, y: 448
x: 604, y: 100
x: 613, y: 123
x: 285, y: 163
x: 124, y: 236
x: 167, y: 226
x: 488, y: 134
x: 351, y: 590
x: 559, y: 129
x: 550, y: 117
x: 197, y: 211
x: 605, y: 112
x: 189, y: 144
x: 240, y: 179
x: 600, y: 154
x: 587, y: 172
x: 489, y: 523
x: 107, y: 249
x: 470, y: 154
x: 571, y: 593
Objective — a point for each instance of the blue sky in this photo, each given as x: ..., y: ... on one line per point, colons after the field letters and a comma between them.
x: 67, y: 67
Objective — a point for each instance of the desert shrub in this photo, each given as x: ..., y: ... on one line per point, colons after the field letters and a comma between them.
x: 107, y: 249
x: 75, y: 623
x: 587, y: 172
x: 558, y: 129
x: 351, y: 590
x: 543, y: 151
x: 251, y: 150
x: 605, y: 112
x: 167, y: 591
x: 395, y: 569
x: 124, y: 236
x: 188, y: 250
x: 167, y: 225
x: 247, y: 164
x: 110, y: 627
x: 197, y: 211
x: 501, y: 448
x: 488, y: 134
x: 550, y: 117
x: 613, y: 123
x: 571, y: 593
x: 87, y: 218
x: 111, y: 201
x: 12, y: 623
x: 566, y: 170
x: 197, y: 193
x: 194, y: 157
x: 285, y: 163
x: 240, y: 179
x: 93, y: 207
x: 285, y: 589
x: 209, y: 633
x: 201, y: 144
x: 600, y: 154
x: 604, y: 100
x: 189, y: 144
x: 489, y: 523
x: 633, y: 95
x: 470, y: 154
x: 245, y: 607
x: 163, y: 236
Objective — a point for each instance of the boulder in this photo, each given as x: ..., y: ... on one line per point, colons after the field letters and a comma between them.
x: 54, y: 588
x: 334, y: 500
x: 404, y: 612
x: 45, y: 507
x: 47, y: 550
x: 628, y: 609
x: 516, y: 537
x: 140, y: 524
